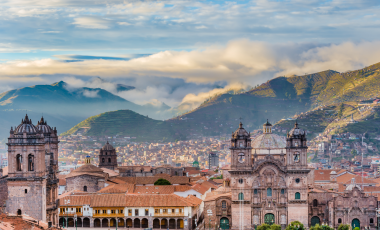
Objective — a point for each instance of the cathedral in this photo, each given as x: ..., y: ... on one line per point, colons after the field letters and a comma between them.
x: 269, y: 178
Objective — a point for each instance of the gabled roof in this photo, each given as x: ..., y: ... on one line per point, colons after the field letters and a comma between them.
x: 88, y: 169
x: 322, y: 174
x: 118, y: 188
x: 181, y: 188
x: 195, y: 201
x: 108, y: 200
x: 75, y: 200
x: 213, y: 196
x: 157, y: 189
x: 199, y: 188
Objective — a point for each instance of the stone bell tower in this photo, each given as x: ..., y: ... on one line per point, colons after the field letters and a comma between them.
x: 241, y: 178
x: 108, y: 157
x: 297, y: 174
x: 26, y: 171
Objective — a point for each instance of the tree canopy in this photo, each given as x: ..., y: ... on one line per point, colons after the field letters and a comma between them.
x: 162, y: 181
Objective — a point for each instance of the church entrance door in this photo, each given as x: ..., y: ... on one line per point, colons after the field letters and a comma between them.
x: 355, y: 224
x: 269, y: 218
x: 224, y: 223
x: 315, y: 220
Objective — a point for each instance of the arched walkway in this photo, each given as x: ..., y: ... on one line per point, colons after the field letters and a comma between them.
x: 179, y: 223
x: 144, y: 223
x: 315, y: 220
x: 156, y: 223
x: 129, y: 223
x: 79, y: 222
x: 164, y: 224
x: 112, y: 222
x: 355, y: 223
x: 104, y: 223
x: 172, y: 224
x: 97, y: 223
x: 62, y: 222
x: 71, y: 222
x: 136, y: 223
x: 269, y: 218
x: 120, y: 223
x: 86, y: 222
x: 224, y: 223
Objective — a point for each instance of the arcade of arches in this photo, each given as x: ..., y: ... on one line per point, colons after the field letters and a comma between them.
x: 150, y: 222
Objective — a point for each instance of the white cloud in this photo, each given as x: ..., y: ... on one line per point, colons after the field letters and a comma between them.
x: 92, y: 22
x: 91, y: 93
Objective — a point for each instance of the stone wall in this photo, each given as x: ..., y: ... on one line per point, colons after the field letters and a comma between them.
x: 79, y: 182
x: 3, y: 192
x: 27, y: 196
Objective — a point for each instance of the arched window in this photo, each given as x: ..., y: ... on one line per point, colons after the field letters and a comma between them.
x: 224, y: 204
x: 255, y: 191
x: 19, y: 212
x: 282, y: 191
x: 85, y: 188
x: 241, y: 157
x: 298, y: 196
x: 371, y: 220
x: 339, y: 221
x: 241, y: 181
x: 315, y: 203
x: 103, y: 160
x: 30, y: 162
x: 269, y: 192
x: 19, y: 162
x: 241, y: 196
x: 109, y: 160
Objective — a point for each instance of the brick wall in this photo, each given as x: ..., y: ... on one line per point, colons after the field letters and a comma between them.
x: 79, y: 182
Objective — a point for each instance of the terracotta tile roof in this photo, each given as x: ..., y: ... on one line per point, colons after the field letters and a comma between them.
x: 212, y: 196
x: 116, y: 180
x: 218, y: 181
x: 181, y: 188
x: 70, y: 192
x: 160, y: 189
x: 134, y: 168
x: 194, y: 172
x: 118, y: 188
x: 75, y: 200
x: 371, y: 189
x: 62, y: 181
x: 110, y: 172
x: 195, y: 201
x: 209, y: 184
x: 226, y: 167
x: 345, y: 177
x: 359, y: 179
x: 88, y: 169
x: 322, y: 175
x: 155, y: 201
x: 108, y: 200
x: 151, y: 179
x: 199, y: 188
x: 377, y: 180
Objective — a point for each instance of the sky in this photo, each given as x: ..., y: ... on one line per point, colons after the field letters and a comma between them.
x: 182, y: 51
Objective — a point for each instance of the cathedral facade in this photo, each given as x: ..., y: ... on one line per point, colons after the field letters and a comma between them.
x: 269, y: 178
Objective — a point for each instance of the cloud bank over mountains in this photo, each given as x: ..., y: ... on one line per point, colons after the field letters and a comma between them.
x: 192, y: 76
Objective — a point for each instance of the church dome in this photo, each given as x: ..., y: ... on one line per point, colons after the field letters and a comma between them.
x: 26, y: 126
x: 296, y: 131
x: 107, y: 146
x: 240, y: 132
x: 268, y: 141
x: 43, y: 126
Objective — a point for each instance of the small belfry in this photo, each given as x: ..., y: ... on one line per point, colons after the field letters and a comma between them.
x: 108, y: 157
x: 32, y: 181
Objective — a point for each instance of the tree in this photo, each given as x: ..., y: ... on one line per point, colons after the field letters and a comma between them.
x: 340, y: 112
x: 162, y: 181
x: 263, y: 227
x: 295, y: 225
x: 357, y: 228
x: 353, y: 152
x: 344, y: 227
x: 275, y: 227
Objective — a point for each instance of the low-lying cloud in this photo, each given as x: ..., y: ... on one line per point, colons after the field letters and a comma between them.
x: 190, y: 77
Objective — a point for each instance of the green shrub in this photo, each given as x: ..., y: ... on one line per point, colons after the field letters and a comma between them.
x: 162, y: 182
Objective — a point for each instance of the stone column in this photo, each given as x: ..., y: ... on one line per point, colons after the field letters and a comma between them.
x: 91, y: 222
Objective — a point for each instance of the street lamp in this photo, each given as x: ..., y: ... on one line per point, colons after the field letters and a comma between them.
x: 75, y: 219
x: 67, y: 202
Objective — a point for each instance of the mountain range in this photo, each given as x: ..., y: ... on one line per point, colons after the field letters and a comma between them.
x: 276, y: 99
x: 279, y: 98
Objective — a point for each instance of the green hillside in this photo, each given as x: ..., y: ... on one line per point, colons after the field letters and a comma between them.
x: 125, y: 123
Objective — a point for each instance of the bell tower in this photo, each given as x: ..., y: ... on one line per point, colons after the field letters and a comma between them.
x: 108, y: 157
x: 297, y: 174
x: 241, y: 177
x: 241, y: 149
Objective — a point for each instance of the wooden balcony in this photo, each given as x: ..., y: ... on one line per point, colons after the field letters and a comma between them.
x: 105, y: 215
